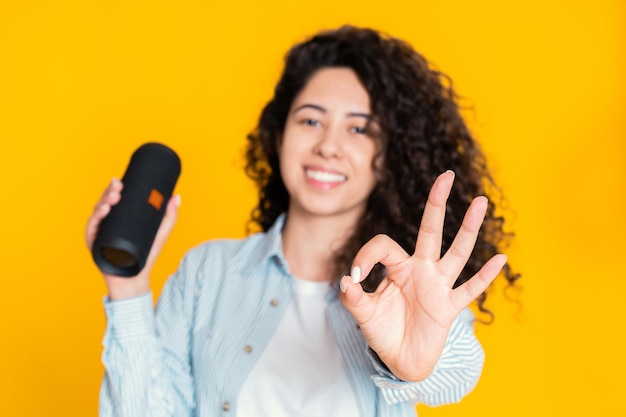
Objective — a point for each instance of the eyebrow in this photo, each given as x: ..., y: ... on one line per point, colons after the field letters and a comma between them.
x: 367, y: 116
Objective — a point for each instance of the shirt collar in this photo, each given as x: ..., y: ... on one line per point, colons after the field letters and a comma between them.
x: 270, y: 247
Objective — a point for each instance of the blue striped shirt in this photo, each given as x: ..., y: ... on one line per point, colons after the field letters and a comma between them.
x: 216, y: 315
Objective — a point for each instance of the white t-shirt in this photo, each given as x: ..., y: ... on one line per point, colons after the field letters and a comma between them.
x: 301, y: 372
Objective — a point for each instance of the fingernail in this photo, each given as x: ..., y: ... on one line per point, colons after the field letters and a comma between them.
x: 342, y: 286
x: 177, y: 200
x: 356, y: 274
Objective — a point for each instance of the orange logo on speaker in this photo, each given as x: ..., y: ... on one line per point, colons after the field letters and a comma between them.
x: 155, y: 199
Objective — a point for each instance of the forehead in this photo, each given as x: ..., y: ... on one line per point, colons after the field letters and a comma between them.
x: 335, y: 87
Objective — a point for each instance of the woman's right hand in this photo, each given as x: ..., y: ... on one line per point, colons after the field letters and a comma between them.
x: 123, y: 287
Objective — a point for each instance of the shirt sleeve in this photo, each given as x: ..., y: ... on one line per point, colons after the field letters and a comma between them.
x: 456, y: 373
x: 146, y: 356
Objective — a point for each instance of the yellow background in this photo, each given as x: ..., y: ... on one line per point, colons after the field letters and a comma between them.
x: 83, y: 83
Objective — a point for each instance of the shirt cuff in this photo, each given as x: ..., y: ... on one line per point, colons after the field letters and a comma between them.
x: 130, y: 319
x: 385, y: 377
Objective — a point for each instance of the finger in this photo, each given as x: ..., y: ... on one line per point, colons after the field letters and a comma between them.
x: 111, y: 194
x: 100, y: 212
x: 356, y: 301
x: 110, y: 197
x: 381, y: 248
x: 429, y: 237
x: 455, y: 258
x: 167, y: 224
x: 464, y: 294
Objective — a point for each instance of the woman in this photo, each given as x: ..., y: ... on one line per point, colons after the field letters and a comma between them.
x: 290, y: 321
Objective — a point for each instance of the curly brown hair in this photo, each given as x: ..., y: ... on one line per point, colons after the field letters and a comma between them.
x: 423, y: 135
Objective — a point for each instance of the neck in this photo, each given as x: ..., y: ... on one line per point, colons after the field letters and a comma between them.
x: 309, y: 243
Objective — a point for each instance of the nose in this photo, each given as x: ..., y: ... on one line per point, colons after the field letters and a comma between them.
x: 329, y: 144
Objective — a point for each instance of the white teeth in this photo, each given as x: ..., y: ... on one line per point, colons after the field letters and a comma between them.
x: 322, y: 176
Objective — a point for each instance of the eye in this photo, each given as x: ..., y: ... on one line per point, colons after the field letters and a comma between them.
x: 310, y: 122
x: 359, y: 130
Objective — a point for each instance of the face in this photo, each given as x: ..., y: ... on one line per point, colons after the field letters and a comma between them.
x: 328, y: 146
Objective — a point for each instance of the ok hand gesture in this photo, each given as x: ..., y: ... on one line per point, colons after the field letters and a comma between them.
x: 407, y: 319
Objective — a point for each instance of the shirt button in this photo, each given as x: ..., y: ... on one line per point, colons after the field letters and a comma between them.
x: 247, y: 349
x: 274, y: 302
x: 226, y: 406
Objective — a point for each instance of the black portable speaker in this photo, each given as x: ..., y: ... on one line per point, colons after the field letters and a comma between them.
x: 126, y: 234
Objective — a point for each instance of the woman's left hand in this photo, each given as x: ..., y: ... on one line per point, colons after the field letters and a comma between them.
x: 407, y: 319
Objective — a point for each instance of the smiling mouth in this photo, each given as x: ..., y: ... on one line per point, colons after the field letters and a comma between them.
x: 325, y: 177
